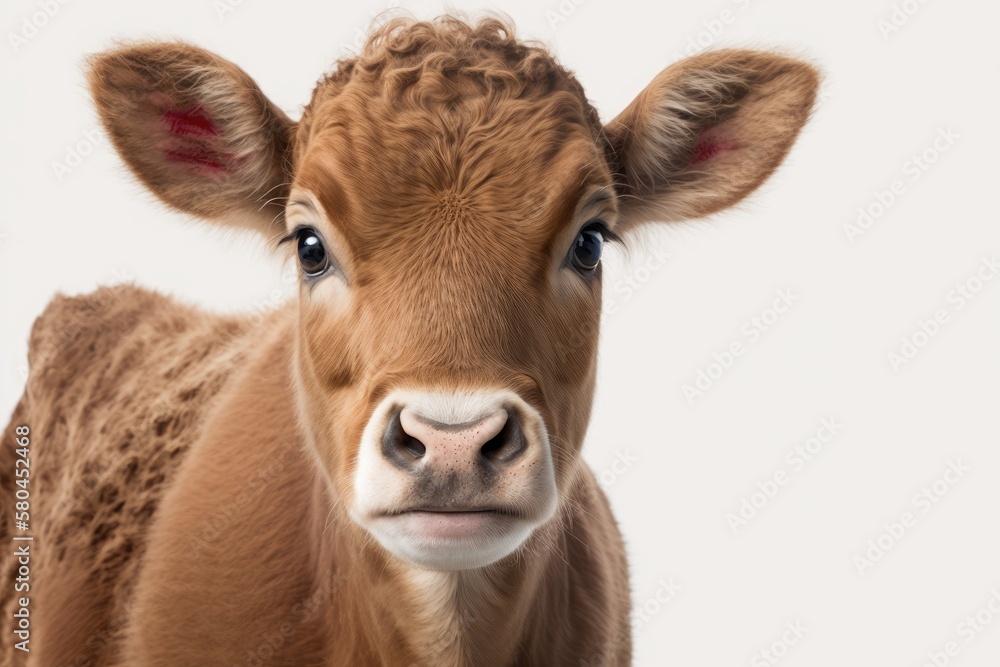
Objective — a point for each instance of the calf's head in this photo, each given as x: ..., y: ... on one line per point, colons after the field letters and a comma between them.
x: 447, y: 194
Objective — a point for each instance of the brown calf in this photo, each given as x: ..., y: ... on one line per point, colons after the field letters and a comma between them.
x: 387, y: 470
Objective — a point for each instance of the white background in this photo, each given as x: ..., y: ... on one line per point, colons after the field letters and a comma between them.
x: 683, y: 466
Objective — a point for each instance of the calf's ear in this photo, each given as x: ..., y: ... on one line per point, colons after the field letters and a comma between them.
x: 706, y: 132
x: 196, y: 130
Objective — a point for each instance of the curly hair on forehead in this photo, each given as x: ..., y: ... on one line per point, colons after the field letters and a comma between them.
x: 450, y: 58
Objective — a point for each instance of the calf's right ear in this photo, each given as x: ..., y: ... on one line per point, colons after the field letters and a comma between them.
x: 197, y: 131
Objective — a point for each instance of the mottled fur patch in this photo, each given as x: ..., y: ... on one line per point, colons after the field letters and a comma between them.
x: 120, y: 382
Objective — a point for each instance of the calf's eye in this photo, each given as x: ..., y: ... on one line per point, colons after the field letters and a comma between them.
x: 313, y: 257
x: 586, y: 252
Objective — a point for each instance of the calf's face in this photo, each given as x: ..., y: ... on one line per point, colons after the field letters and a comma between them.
x: 447, y: 196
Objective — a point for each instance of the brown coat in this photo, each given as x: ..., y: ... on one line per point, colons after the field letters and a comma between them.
x: 194, y: 489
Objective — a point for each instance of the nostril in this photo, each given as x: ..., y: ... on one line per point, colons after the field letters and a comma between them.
x: 505, y: 445
x: 400, y: 446
x: 414, y: 446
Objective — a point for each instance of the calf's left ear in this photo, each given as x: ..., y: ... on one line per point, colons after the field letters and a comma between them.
x: 706, y: 132
x: 196, y: 130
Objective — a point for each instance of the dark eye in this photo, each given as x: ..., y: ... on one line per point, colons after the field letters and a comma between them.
x: 586, y: 252
x: 312, y: 255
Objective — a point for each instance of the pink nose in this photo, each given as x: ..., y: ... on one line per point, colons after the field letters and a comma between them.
x: 416, y: 443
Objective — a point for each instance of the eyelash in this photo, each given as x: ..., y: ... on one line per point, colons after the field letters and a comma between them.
x: 602, y: 227
x: 292, y: 235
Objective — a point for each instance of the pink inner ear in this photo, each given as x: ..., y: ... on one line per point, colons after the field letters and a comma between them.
x: 201, y: 160
x: 191, y: 138
x: 192, y: 122
x: 710, y: 143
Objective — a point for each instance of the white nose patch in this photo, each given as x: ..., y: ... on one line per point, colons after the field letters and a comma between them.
x: 470, y: 487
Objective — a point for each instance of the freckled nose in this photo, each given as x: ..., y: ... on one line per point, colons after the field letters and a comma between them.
x: 415, y: 443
